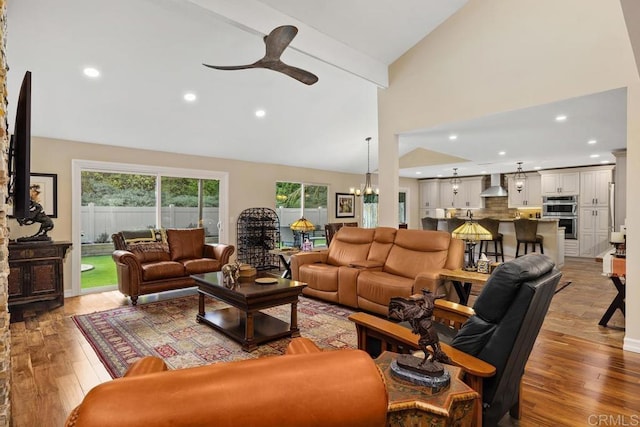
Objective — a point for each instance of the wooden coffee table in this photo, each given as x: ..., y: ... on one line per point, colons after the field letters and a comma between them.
x: 243, y: 321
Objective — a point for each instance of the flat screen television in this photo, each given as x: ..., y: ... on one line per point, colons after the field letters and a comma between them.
x: 19, y: 166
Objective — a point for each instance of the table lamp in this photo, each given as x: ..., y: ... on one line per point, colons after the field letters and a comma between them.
x: 471, y: 232
x: 303, y: 226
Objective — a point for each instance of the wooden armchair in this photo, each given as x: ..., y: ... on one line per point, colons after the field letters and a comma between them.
x: 490, y: 342
x: 332, y: 228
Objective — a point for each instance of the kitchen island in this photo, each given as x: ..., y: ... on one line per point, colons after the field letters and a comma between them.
x: 553, y: 236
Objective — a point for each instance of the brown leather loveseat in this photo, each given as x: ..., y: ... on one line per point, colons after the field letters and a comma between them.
x: 150, y: 265
x: 364, y: 267
x: 305, y: 387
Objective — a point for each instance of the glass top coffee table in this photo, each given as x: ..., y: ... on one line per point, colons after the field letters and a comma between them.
x: 243, y: 321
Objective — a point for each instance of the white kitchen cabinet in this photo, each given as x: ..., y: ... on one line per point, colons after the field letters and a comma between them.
x: 560, y: 183
x: 530, y: 196
x: 593, y: 225
x: 468, y: 196
x: 430, y: 194
x: 594, y: 187
x: 447, y: 198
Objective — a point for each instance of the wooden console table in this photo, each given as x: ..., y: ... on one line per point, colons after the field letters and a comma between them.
x: 35, y: 276
x: 412, y: 405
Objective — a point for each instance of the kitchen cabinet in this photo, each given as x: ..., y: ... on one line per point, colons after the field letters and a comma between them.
x: 35, y: 280
x: 560, y: 183
x: 430, y: 194
x: 468, y: 196
x: 594, y: 187
x: 593, y: 230
x: 531, y: 194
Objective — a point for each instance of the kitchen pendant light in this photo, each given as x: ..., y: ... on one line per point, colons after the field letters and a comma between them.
x: 455, y: 181
x: 519, y: 178
x: 368, y: 188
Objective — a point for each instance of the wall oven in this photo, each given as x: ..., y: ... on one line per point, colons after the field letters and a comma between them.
x: 565, y: 210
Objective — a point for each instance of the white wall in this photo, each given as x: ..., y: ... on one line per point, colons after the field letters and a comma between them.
x: 495, y: 56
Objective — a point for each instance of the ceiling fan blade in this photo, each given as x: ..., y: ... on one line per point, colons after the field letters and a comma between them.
x: 230, y: 67
x: 299, y: 74
x: 278, y: 40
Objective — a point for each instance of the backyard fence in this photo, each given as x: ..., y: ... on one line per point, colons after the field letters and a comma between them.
x: 100, y: 222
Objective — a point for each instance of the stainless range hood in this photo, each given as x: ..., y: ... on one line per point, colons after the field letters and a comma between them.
x: 496, y: 189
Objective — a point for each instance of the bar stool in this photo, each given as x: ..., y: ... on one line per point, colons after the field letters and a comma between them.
x: 526, y: 232
x: 453, y: 223
x: 492, y: 226
x: 429, y: 223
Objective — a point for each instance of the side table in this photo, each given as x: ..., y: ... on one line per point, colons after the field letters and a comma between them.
x: 412, y: 405
x: 463, y: 280
x: 285, y: 258
x: 618, y: 278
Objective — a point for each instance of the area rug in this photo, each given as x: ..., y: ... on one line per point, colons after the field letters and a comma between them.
x: 168, y: 329
x: 561, y: 285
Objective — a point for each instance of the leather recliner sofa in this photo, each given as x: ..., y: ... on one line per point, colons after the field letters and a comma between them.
x: 146, y: 266
x: 364, y: 267
x: 305, y: 387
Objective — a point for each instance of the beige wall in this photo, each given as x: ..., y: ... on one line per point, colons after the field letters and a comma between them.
x: 250, y: 184
x: 495, y: 56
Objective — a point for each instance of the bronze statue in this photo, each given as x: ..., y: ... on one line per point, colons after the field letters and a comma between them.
x: 36, y: 214
x: 418, y: 311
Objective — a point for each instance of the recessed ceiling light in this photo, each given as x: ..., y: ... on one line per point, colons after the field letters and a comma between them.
x: 418, y: 173
x: 439, y: 175
x: 591, y: 141
x: 594, y: 156
x: 483, y: 172
x: 453, y: 137
x: 189, y: 97
x: 502, y: 153
x: 561, y: 118
x: 604, y: 161
x: 260, y: 113
x: 537, y: 167
x: 91, y: 72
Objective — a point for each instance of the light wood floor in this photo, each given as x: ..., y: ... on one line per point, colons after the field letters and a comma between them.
x: 577, y: 374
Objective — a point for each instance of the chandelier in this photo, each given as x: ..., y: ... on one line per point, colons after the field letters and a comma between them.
x: 368, y: 188
x: 455, y: 181
x: 519, y: 178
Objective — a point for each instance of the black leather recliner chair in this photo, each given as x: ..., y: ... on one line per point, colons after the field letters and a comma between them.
x: 509, y: 313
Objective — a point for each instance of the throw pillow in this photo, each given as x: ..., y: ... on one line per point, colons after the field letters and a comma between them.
x: 185, y: 243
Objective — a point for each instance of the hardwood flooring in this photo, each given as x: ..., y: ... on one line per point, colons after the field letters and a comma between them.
x: 577, y: 374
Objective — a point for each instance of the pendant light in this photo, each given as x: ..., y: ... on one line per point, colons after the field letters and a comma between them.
x: 455, y: 181
x: 368, y: 188
x: 519, y: 178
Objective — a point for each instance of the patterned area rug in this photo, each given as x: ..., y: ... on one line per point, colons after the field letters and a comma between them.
x: 168, y: 329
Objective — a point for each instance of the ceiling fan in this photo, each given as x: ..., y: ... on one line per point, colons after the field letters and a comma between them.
x: 276, y: 42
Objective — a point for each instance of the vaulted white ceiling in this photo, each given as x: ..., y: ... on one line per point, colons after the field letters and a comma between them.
x: 150, y: 53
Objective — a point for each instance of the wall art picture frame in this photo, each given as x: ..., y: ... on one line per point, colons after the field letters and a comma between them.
x: 345, y: 205
x: 48, y: 183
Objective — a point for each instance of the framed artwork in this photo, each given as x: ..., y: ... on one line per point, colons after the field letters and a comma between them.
x: 48, y: 187
x: 345, y: 205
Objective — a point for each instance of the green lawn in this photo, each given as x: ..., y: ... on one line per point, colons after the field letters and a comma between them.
x: 103, y: 273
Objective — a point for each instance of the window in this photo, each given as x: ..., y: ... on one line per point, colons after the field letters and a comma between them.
x: 295, y: 200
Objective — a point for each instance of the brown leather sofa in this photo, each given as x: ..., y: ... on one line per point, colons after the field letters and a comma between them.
x: 150, y: 265
x: 305, y: 387
x: 364, y: 267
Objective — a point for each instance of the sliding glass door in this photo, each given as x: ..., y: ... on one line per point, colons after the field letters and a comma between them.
x: 108, y: 198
